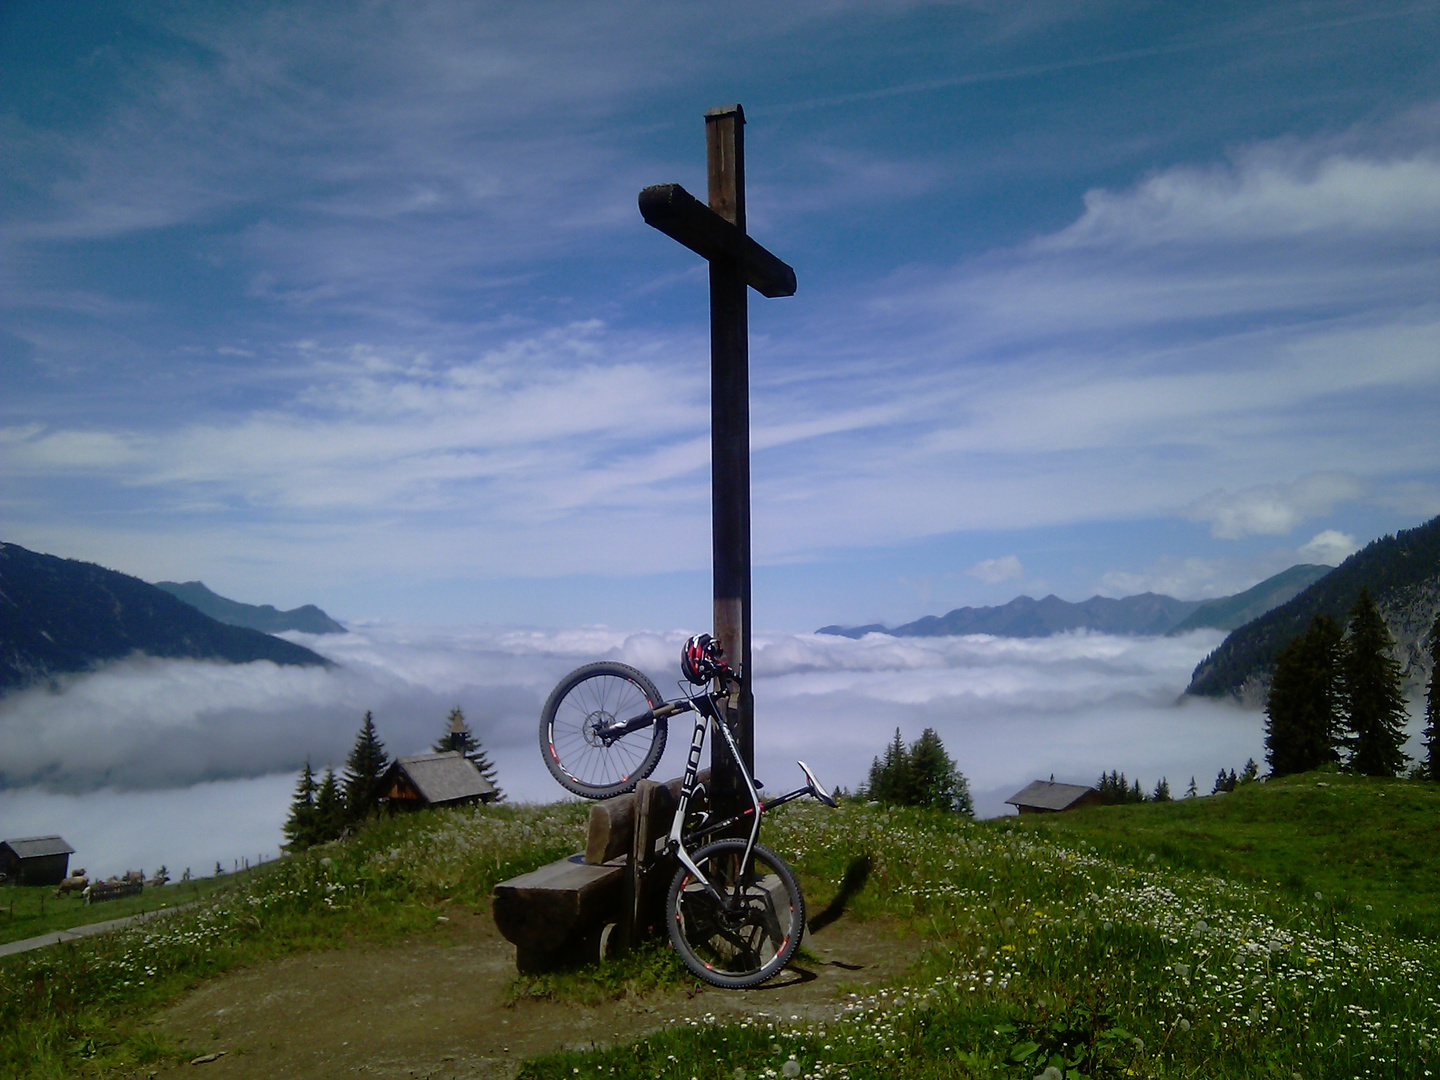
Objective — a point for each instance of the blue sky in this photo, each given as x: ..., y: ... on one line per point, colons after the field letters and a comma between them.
x: 352, y: 303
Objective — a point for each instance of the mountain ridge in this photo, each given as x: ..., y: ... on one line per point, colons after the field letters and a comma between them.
x: 63, y: 616
x: 307, y: 619
x: 1233, y: 612
x: 1402, y: 573
x: 1146, y: 613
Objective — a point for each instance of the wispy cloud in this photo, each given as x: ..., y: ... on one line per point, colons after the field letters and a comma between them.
x: 1272, y: 509
x: 409, y: 323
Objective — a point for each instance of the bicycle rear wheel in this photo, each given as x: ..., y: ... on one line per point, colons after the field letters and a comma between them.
x: 749, y: 934
x: 579, y: 709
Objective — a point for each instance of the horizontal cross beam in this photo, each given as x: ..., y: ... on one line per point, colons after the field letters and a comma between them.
x: 681, y: 216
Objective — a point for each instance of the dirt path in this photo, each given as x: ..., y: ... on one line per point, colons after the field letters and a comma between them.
x: 434, y: 1010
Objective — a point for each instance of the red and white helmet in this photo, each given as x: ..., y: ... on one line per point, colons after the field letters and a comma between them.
x: 702, y: 659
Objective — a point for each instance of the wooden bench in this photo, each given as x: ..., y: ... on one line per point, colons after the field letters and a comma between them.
x: 581, y: 908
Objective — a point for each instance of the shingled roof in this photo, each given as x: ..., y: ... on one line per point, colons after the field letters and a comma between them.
x: 34, y: 847
x: 1048, y: 795
x: 438, y: 779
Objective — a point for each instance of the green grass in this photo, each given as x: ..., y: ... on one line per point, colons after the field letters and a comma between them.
x: 1149, y: 941
x: 33, y: 910
x: 1144, y: 941
x: 1372, y: 846
x: 80, y: 1008
x: 651, y: 965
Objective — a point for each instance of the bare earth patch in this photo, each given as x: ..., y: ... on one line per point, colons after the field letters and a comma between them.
x: 436, y: 1009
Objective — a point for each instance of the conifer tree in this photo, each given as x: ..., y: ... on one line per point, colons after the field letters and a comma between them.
x: 890, y: 779
x: 1302, y: 710
x: 1162, y: 791
x: 922, y: 774
x: 1192, y: 791
x: 1251, y: 772
x: 300, y: 825
x: 1115, y: 788
x: 936, y: 781
x: 329, y: 809
x: 363, y: 769
x: 1432, y: 708
x: 1374, y: 704
x: 1225, y: 782
x: 459, y: 737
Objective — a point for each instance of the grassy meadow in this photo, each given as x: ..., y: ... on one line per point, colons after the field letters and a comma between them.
x: 1284, y: 930
x: 28, y: 911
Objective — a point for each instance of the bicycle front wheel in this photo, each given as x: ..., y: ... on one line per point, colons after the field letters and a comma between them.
x: 747, y: 934
x: 579, y: 709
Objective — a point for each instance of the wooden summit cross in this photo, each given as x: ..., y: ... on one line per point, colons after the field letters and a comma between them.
x: 717, y: 234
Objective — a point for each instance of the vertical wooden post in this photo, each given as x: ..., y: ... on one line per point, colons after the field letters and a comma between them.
x: 642, y: 854
x: 730, y: 442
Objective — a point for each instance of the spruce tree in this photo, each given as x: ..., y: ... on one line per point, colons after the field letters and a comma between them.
x: 1192, y: 791
x: 300, y: 825
x: 1162, y: 791
x: 922, y: 774
x: 329, y: 809
x: 1432, y: 708
x: 890, y: 778
x: 1303, y: 707
x: 1109, y: 787
x: 459, y: 737
x: 1374, y: 703
x: 935, y: 780
x: 363, y: 769
x: 1225, y: 782
x: 1251, y: 773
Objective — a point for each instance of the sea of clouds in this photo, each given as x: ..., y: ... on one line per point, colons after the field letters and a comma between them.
x: 189, y: 763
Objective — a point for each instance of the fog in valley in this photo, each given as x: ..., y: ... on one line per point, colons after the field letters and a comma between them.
x: 187, y: 763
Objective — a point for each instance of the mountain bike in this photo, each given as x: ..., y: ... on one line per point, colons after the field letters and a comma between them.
x: 734, y: 909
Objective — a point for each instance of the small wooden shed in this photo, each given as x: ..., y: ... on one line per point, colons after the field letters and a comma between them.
x: 448, y: 779
x: 36, y: 860
x: 1048, y: 797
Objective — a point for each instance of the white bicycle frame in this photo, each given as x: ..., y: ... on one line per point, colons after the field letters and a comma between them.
x: 707, y: 713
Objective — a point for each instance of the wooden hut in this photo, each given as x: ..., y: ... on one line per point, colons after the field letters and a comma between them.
x: 448, y: 779
x: 1048, y: 797
x: 36, y: 860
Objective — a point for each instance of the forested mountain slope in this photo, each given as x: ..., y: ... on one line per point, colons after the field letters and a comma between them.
x: 62, y: 615
x: 1402, y: 573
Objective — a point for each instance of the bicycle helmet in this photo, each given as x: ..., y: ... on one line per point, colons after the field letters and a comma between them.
x: 701, y: 659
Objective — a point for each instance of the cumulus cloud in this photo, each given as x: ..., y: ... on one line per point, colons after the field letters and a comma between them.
x: 994, y: 571
x: 1330, y: 547
x: 1269, y: 192
x: 1270, y: 509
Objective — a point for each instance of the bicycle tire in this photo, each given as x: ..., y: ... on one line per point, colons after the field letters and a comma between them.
x: 601, y: 692
x: 742, y: 949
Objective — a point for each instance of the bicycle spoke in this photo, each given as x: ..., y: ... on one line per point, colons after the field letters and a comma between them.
x: 588, y: 704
